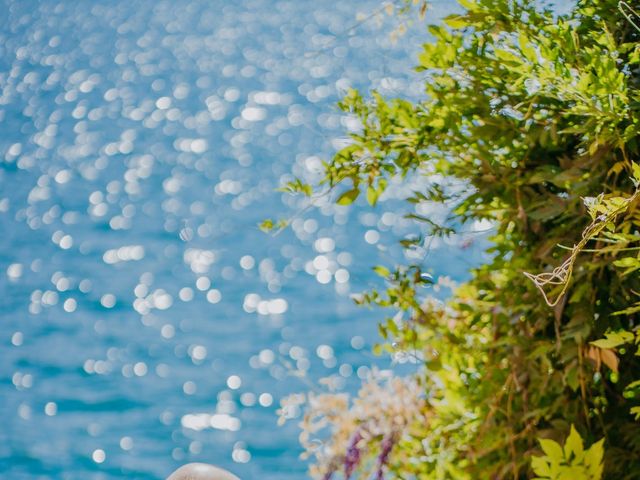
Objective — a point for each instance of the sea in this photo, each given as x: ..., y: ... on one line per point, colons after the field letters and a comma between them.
x: 146, y: 320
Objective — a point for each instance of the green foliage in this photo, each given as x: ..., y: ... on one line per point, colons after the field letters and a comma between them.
x: 348, y: 197
x: 538, y: 115
x: 297, y: 186
x: 614, y: 339
x: 572, y: 462
x: 268, y: 225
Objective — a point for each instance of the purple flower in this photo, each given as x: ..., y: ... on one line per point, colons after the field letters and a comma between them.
x: 331, y: 469
x: 383, y: 458
x: 352, y: 457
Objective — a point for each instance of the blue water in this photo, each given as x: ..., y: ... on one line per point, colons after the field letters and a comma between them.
x: 146, y: 321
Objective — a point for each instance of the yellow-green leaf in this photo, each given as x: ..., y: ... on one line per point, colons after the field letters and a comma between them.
x: 552, y: 449
x: 372, y: 195
x: 382, y: 271
x: 456, y: 21
x: 348, y: 197
x: 540, y: 466
x: 527, y: 50
x: 593, y: 459
x: 636, y: 172
x: 614, y: 339
x: 573, y: 445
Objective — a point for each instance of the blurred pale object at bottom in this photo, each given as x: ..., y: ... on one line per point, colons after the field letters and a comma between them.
x: 201, y: 471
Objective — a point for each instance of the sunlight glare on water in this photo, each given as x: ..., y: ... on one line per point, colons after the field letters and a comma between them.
x: 147, y: 321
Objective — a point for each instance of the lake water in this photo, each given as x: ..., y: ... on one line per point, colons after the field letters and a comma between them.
x: 146, y: 321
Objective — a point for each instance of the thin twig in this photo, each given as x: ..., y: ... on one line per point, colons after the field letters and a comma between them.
x: 630, y: 16
x: 561, y: 276
x: 350, y: 30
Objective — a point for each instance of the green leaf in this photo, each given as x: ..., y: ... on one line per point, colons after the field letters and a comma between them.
x: 528, y: 51
x: 540, y: 466
x: 382, y: 331
x: 614, y: 339
x: 630, y: 310
x: 507, y: 56
x: 571, y: 473
x: 548, y: 210
x: 607, y: 343
x: 297, y: 186
x: 384, y: 272
x: 635, y: 168
x: 456, y: 21
x: 573, y: 445
x: 269, y: 225
x: 552, y: 449
x: 627, y: 262
x: 630, y: 263
x: 593, y: 459
x: 266, y: 225
x: 633, y: 385
x: 372, y: 195
x: 468, y: 4
x: 348, y: 197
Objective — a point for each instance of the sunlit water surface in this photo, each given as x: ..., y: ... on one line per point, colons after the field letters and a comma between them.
x: 146, y: 321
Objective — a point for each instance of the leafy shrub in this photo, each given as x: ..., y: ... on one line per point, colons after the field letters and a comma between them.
x: 537, y: 114
x: 572, y: 462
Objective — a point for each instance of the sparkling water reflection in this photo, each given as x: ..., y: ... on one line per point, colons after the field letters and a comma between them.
x: 146, y: 320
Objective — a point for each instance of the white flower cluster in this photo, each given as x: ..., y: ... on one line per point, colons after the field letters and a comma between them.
x: 334, y: 425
